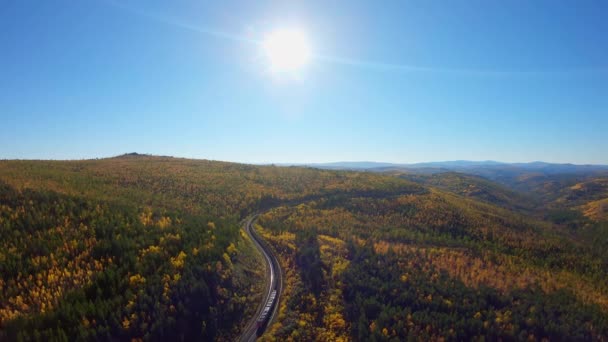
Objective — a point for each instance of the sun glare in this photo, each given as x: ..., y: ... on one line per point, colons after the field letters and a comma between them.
x: 286, y: 50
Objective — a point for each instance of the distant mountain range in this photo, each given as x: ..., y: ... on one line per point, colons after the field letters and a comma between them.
x: 459, y: 166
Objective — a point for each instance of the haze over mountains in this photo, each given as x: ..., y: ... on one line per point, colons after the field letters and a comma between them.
x: 459, y: 165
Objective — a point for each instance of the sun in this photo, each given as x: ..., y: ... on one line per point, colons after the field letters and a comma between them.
x: 287, y: 50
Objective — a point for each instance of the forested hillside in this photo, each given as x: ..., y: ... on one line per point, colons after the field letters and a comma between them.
x: 434, y: 266
x: 78, y: 268
x: 573, y: 200
x: 475, y: 187
x: 142, y: 247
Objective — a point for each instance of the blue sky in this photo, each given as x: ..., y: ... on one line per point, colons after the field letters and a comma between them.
x: 396, y: 81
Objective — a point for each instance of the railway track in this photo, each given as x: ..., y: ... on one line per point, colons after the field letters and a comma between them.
x: 268, y: 308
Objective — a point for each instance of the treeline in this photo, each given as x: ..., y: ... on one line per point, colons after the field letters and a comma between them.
x: 197, y: 186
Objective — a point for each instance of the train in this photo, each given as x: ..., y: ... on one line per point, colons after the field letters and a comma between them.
x: 264, y: 316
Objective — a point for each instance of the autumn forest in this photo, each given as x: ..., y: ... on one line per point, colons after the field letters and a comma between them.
x: 140, y: 247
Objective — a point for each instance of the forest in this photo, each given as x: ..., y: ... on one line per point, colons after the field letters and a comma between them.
x: 151, y: 248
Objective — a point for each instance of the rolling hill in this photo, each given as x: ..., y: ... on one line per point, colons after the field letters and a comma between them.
x: 139, y: 246
x: 475, y: 187
x: 145, y: 247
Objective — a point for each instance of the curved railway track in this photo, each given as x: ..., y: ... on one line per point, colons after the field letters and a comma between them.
x: 268, y: 308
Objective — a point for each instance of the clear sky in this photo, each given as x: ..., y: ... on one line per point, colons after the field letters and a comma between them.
x: 396, y: 81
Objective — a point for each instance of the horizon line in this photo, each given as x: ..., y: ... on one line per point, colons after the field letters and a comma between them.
x: 304, y: 164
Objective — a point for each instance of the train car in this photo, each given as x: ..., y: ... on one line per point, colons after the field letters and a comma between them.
x: 264, y: 316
